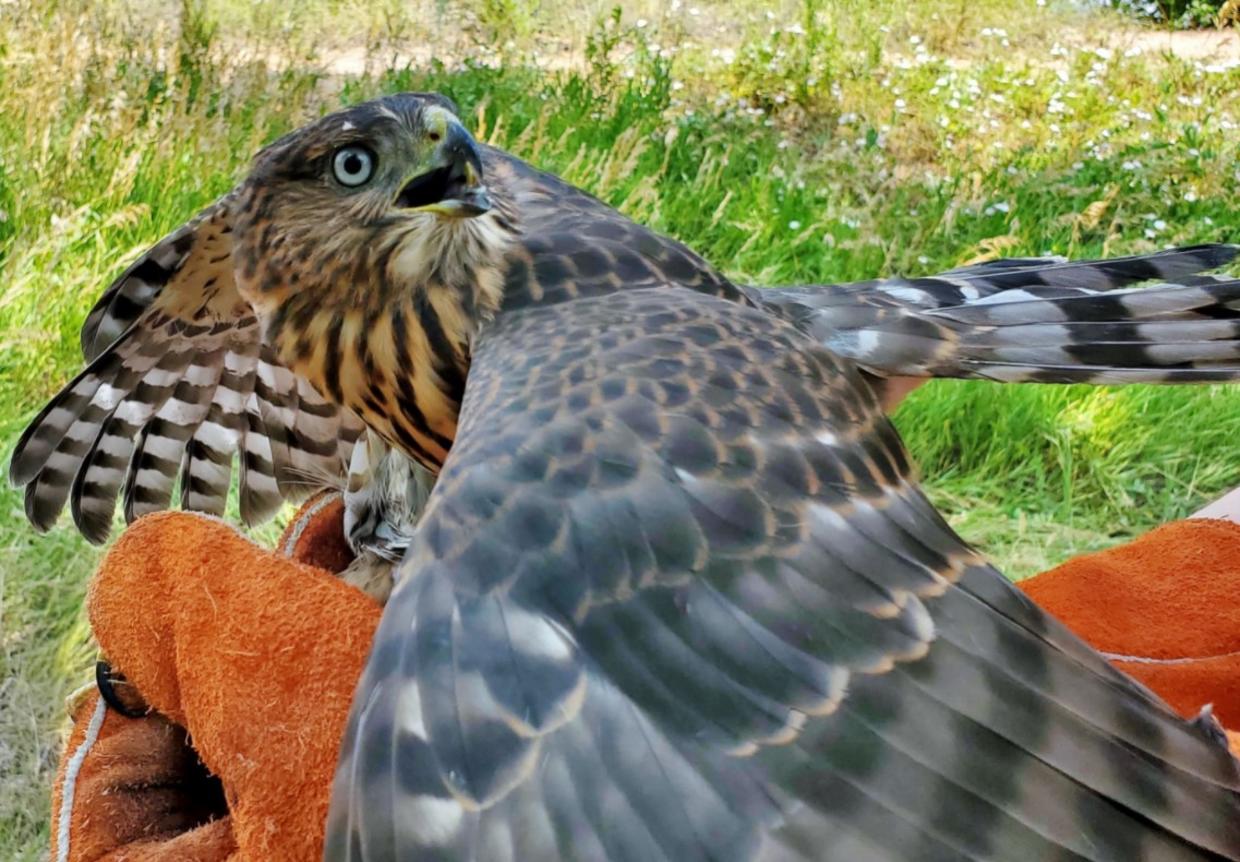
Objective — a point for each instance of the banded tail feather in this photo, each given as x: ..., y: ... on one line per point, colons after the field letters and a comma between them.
x: 1101, y: 274
x: 1039, y: 320
x: 177, y: 384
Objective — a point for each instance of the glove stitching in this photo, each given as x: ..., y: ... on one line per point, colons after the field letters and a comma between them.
x: 70, y: 783
x: 1140, y: 659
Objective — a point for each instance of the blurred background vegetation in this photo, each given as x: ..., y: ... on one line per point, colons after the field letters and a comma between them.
x: 785, y: 141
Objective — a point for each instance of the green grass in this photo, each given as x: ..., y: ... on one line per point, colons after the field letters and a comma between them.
x: 821, y: 141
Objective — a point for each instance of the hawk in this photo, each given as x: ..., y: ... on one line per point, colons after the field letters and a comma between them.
x: 675, y: 593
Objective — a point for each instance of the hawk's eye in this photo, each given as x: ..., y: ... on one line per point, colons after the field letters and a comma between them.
x: 353, y: 165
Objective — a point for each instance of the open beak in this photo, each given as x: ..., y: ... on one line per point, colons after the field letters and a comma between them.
x: 453, y: 187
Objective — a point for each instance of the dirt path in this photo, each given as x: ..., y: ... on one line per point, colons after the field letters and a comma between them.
x: 1219, y: 46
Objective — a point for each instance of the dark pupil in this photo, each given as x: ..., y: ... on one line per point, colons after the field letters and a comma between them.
x: 352, y: 164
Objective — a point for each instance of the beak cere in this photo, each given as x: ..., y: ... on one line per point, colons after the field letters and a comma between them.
x: 454, y: 188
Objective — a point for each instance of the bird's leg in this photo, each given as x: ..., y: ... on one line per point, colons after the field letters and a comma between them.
x: 371, y: 574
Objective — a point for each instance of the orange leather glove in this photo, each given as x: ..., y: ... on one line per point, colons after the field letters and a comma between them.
x: 249, y: 656
x: 1162, y: 608
x: 256, y: 654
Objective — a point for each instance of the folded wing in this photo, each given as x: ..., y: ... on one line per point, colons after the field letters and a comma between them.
x: 675, y: 597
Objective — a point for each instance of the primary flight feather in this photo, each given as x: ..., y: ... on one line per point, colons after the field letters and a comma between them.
x: 675, y: 594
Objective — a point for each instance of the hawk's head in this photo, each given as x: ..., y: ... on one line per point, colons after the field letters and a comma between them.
x: 370, y: 244
x: 393, y: 174
x: 395, y: 158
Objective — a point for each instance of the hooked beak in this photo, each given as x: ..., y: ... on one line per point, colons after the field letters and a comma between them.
x: 452, y: 186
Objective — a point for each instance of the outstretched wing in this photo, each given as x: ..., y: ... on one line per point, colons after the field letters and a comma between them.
x: 1042, y: 320
x: 177, y: 382
x: 675, y: 597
